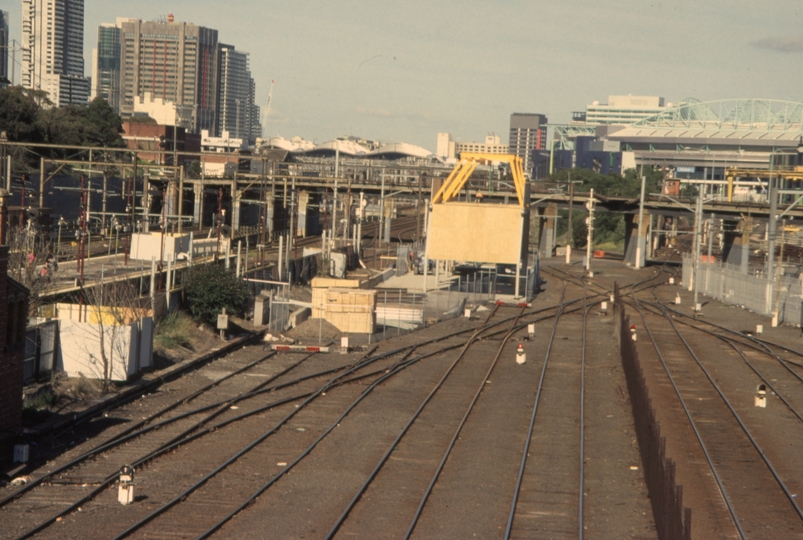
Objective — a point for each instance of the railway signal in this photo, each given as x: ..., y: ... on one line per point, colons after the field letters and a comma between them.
x: 761, y: 396
x: 521, y: 356
x: 125, y: 492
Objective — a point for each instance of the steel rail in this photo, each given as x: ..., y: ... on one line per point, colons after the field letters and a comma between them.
x: 760, y: 341
x: 754, y: 343
x: 165, y: 448
x: 458, y: 430
x: 693, y: 425
x: 580, y: 529
x: 313, y: 396
x: 127, y: 433
x: 389, y: 373
x: 237, y: 455
x: 739, y: 420
x: 759, y: 375
x: 168, y: 448
x: 526, y: 449
x: 754, y: 346
x: 474, y: 337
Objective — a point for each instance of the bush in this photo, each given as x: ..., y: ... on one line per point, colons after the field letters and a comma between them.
x: 211, y: 288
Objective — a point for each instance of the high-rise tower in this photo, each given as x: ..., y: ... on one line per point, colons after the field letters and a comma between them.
x: 53, y: 49
x: 236, y: 97
x: 527, y: 133
x: 106, y: 66
x: 4, y: 48
x: 173, y: 61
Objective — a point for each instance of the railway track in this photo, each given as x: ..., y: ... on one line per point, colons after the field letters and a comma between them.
x: 446, y: 456
x: 713, y: 378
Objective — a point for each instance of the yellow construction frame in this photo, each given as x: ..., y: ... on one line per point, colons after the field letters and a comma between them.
x: 465, y: 167
x: 732, y: 173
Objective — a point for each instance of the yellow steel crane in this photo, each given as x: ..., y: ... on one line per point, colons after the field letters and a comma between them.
x: 468, y: 162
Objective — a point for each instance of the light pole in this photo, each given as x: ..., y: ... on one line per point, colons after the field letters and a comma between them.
x: 58, y: 241
x: 117, y: 236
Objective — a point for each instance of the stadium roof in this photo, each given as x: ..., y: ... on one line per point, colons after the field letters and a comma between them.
x: 748, y: 122
x: 400, y: 150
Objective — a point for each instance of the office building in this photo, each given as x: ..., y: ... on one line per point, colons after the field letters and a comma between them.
x: 106, y: 66
x: 450, y: 149
x: 173, y: 61
x: 236, y: 108
x: 53, y: 50
x: 492, y: 145
x: 621, y: 110
x: 4, y: 52
x: 527, y: 135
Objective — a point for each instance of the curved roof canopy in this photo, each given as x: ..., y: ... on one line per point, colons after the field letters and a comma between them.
x: 296, y: 144
x: 400, y: 150
x: 347, y: 148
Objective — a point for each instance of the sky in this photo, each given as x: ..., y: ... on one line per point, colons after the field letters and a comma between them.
x: 405, y: 70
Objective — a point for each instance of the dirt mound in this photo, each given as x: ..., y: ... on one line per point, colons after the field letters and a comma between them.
x: 311, y: 329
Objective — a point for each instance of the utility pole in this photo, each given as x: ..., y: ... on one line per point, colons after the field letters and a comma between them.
x: 698, y: 228
x: 640, y: 244
x: 590, y: 225
x: 334, y: 198
x: 570, y: 239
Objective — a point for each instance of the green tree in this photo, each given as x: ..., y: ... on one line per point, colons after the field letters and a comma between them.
x: 608, y: 227
x: 18, y: 113
x: 105, y: 125
x: 210, y: 288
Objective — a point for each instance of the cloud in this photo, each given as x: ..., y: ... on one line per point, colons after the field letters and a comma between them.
x: 782, y: 44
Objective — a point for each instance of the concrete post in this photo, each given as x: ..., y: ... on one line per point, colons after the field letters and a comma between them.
x: 235, y: 206
x: 198, y: 193
x: 303, y: 200
x: 546, y: 233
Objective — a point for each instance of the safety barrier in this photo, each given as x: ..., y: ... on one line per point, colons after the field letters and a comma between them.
x: 672, y: 521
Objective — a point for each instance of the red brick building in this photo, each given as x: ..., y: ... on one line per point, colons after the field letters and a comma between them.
x: 13, y: 320
x: 154, y: 137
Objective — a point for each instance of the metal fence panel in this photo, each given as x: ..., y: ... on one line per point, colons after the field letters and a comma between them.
x: 727, y: 283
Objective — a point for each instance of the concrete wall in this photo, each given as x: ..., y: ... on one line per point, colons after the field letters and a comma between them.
x: 129, y: 347
x: 145, y: 246
x: 476, y: 232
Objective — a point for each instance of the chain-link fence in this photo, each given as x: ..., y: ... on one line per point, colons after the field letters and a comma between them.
x: 277, y: 296
x: 728, y: 284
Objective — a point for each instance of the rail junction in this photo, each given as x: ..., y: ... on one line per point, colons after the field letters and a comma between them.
x: 442, y: 433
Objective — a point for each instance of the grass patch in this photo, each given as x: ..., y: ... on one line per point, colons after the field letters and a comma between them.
x: 616, y: 247
x: 174, y: 331
x: 37, y: 408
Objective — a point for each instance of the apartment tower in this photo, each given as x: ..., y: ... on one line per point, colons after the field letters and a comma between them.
x: 53, y: 50
x: 237, y: 113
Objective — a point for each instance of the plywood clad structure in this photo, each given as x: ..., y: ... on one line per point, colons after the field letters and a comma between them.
x: 491, y: 233
x: 349, y: 310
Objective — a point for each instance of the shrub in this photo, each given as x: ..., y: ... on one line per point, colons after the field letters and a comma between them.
x: 210, y: 288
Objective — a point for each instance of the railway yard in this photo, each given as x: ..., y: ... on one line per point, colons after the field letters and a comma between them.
x: 441, y: 433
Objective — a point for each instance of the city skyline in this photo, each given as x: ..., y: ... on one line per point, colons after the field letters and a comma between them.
x: 407, y: 72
